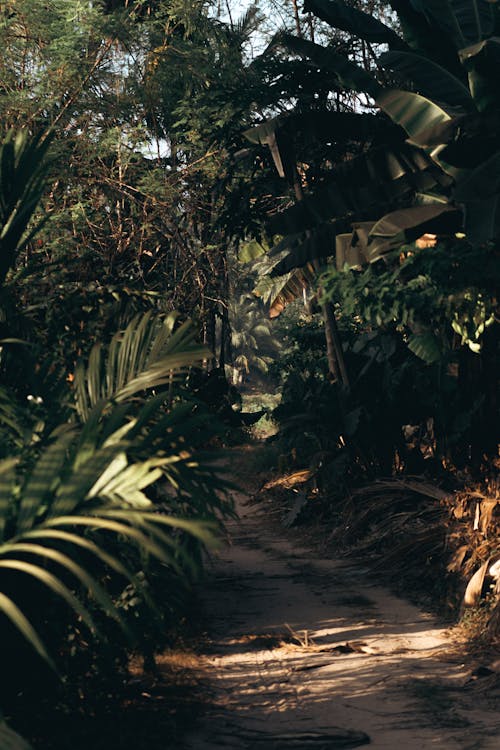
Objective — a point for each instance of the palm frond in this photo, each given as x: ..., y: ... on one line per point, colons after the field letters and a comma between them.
x: 22, y: 181
x: 10, y: 740
x: 147, y: 355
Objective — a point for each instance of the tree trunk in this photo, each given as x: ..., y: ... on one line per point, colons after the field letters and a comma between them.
x: 334, y: 352
x: 297, y: 18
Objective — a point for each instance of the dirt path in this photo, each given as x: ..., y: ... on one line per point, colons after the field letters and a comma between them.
x: 302, y: 646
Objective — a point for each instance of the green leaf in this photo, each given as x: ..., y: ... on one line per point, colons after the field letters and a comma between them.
x: 425, y: 37
x: 110, y: 560
x: 426, y: 346
x: 482, y: 61
x: 49, y: 580
x: 354, y: 21
x: 480, y: 183
x: 24, y: 626
x: 7, y: 483
x: 22, y: 181
x: 430, y: 79
x: 361, y: 187
x: 251, y: 250
x: 268, y: 134
x: 482, y: 219
x: 201, y: 530
x: 146, y: 355
x: 415, y: 113
x: 122, y: 484
x: 295, y: 251
x: 347, y: 73
x: 278, y: 292
x: 89, y: 582
x: 436, y: 218
x: 74, y: 487
x: 464, y: 21
x: 10, y: 740
x: 38, y: 489
x: 105, y: 524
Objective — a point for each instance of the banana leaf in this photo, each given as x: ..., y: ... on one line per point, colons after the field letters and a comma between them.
x: 271, y: 134
x: 347, y: 74
x: 438, y: 218
x: 414, y: 112
x: 354, y: 21
x: 304, y: 247
x: 380, y: 179
x: 326, y: 127
x: 350, y: 247
x: 426, y: 346
x: 482, y: 61
x: 278, y: 292
x: 479, y: 190
x: 482, y: 221
x: 407, y: 225
x: 426, y: 37
x: 463, y: 21
x: 429, y: 79
x: 481, y: 183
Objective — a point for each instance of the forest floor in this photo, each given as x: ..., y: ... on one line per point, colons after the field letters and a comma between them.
x: 307, y: 651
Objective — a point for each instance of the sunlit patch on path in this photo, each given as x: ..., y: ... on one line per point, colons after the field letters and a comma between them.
x: 306, y: 652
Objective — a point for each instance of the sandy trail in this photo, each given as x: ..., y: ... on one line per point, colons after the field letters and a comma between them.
x: 302, y: 645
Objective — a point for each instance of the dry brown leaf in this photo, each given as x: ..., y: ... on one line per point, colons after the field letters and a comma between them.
x: 487, y: 511
x: 475, y: 586
x: 290, y: 480
x: 477, y: 515
x: 457, y: 559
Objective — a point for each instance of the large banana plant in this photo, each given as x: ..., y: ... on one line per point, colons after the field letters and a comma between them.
x: 437, y: 167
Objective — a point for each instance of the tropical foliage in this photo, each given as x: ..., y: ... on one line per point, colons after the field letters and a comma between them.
x: 95, y: 486
x: 254, y: 346
x: 406, y: 220
x: 145, y: 147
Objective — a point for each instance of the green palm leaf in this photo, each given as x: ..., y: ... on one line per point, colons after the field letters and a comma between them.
x: 7, y: 482
x: 146, y: 355
x: 107, y: 559
x: 20, y: 621
x: 98, y: 523
x: 85, y: 579
x: 22, y: 181
x: 43, y: 481
x: 50, y: 580
x: 10, y: 740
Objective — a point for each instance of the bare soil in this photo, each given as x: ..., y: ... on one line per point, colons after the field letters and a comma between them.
x: 305, y: 651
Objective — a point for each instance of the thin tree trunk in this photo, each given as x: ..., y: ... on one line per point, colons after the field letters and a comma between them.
x: 296, y: 17
x: 334, y: 352
x: 225, y: 339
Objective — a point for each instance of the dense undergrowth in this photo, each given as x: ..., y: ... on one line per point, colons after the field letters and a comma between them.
x: 108, y: 497
x: 382, y: 469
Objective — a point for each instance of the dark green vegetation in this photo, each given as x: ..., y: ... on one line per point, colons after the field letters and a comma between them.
x: 409, y: 215
x: 393, y: 236
x: 146, y: 154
